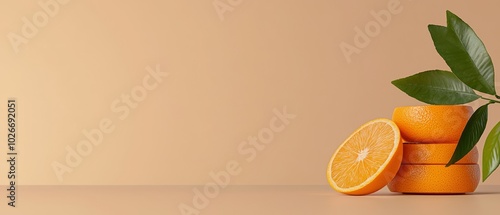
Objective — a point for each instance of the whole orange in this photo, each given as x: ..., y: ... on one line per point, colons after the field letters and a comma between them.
x: 432, y: 123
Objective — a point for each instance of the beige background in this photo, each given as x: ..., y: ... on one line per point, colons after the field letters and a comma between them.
x: 226, y: 77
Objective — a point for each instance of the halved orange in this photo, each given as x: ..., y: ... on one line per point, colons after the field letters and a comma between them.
x: 435, y: 153
x: 437, y: 179
x: 367, y: 160
x: 432, y: 123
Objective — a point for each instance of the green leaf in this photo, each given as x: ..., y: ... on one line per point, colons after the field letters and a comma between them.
x: 491, y: 152
x: 464, y: 53
x: 436, y: 87
x: 471, y: 134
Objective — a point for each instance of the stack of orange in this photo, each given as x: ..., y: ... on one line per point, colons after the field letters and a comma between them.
x: 408, y: 154
x: 430, y: 135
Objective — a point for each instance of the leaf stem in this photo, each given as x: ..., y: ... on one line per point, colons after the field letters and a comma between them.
x: 491, y: 100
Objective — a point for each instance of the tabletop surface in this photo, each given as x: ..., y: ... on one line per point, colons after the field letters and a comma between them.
x: 241, y: 200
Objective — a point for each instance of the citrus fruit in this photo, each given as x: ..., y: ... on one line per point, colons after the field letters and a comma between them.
x: 435, y: 153
x: 367, y: 160
x: 436, y: 179
x: 432, y: 123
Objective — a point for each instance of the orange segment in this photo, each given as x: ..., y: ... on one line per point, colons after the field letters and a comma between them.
x: 432, y: 123
x: 367, y: 160
x: 436, y: 179
x: 435, y: 153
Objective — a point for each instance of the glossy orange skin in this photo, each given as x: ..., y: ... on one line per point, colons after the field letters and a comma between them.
x: 432, y: 123
x: 435, y: 153
x: 436, y: 179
